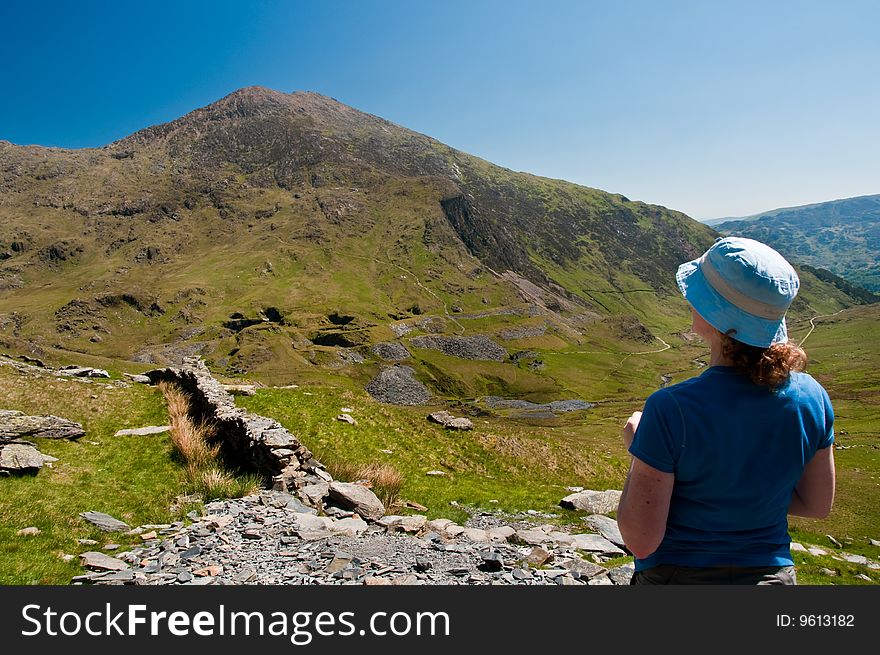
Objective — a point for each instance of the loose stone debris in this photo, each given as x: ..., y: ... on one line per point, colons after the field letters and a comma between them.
x: 263, y: 539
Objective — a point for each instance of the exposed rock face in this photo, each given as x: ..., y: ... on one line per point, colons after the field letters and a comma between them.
x: 594, y: 502
x: 471, y: 347
x: 247, y: 441
x: 397, y: 385
x: 16, y: 425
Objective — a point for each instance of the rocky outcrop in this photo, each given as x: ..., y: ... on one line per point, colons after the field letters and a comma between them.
x: 397, y: 385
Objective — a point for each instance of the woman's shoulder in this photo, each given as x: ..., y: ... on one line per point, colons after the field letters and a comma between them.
x: 807, y: 390
x: 806, y: 383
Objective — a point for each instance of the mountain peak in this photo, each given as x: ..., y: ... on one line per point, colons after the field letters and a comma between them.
x: 247, y: 103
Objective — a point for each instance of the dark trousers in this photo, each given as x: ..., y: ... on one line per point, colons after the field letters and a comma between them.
x: 723, y: 575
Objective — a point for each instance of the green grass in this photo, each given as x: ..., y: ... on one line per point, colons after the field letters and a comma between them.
x: 131, y: 478
x: 521, y: 467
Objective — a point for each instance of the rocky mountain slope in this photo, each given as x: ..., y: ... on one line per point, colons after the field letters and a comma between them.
x: 842, y: 236
x: 277, y: 233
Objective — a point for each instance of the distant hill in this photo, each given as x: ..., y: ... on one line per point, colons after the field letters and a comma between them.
x: 842, y: 236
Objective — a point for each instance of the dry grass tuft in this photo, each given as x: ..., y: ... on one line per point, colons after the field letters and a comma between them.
x: 192, y: 443
x: 383, y: 479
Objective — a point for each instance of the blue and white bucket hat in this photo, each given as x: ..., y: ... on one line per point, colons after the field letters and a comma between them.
x: 742, y: 285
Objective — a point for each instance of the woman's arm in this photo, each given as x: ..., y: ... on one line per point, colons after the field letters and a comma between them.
x: 814, y: 493
x: 644, y: 508
x: 644, y: 504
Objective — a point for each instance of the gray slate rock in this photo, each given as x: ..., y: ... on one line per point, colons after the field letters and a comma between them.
x: 358, y: 499
x: 622, y: 575
x: 572, y: 405
x: 594, y: 502
x: 105, y: 521
x: 143, y: 432
x: 607, y: 527
x: 142, y: 379
x: 22, y: 458
x: 17, y: 425
x: 102, y: 562
x: 82, y: 372
x: 450, y: 422
x: 595, y: 543
x: 583, y: 567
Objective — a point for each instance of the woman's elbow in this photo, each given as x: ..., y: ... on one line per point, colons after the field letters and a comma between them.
x: 822, y: 510
x: 637, y: 540
x: 641, y: 551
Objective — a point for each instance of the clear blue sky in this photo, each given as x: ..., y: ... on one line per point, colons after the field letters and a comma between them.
x: 715, y: 109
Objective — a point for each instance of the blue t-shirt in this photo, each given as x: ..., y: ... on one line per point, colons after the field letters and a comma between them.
x: 737, y: 450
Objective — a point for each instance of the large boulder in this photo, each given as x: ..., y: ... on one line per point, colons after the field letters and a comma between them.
x: 17, y: 425
x: 594, y: 502
x: 450, y: 422
x: 21, y: 458
x: 357, y: 498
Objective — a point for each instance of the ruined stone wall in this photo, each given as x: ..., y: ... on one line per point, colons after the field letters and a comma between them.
x: 248, y: 441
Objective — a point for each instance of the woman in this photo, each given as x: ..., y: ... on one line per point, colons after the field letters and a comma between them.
x: 721, y: 459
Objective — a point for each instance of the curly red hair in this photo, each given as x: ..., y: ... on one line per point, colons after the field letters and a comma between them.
x: 770, y: 367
